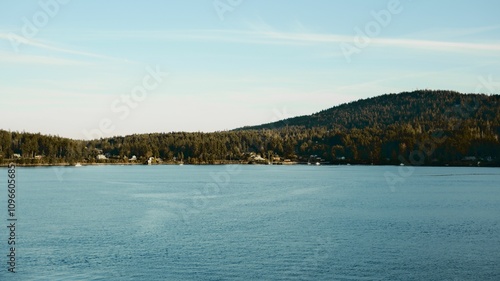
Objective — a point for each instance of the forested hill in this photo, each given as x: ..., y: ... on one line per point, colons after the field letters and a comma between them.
x: 414, y: 128
x: 418, y: 107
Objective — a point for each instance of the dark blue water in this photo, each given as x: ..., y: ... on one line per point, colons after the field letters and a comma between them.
x: 255, y: 223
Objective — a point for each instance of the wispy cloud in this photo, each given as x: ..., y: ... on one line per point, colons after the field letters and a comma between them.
x: 17, y: 40
x: 437, y: 45
x: 265, y: 34
x: 452, y: 32
x: 388, y: 42
x: 6, y: 57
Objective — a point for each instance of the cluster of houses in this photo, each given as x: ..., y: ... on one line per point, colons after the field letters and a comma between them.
x: 151, y: 160
x: 254, y: 158
x: 18, y: 156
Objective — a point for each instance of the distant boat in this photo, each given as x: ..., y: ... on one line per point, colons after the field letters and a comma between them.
x: 401, y: 164
x: 78, y: 164
x: 317, y: 163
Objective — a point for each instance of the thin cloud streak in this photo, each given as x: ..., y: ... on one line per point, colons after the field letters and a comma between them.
x: 16, y: 39
x: 32, y: 59
x: 268, y: 36
x: 452, y: 32
x: 436, y: 45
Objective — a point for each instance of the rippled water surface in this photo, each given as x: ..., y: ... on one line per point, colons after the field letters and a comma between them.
x: 255, y: 223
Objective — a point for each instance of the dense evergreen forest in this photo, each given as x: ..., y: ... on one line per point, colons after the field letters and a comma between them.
x: 413, y: 128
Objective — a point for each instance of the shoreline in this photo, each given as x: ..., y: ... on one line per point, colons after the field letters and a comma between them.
x: 6, y: 165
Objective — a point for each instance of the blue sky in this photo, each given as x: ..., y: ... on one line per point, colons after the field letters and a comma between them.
x: 66, y: 66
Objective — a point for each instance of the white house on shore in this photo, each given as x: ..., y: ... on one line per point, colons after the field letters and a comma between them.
x: 101, y: 157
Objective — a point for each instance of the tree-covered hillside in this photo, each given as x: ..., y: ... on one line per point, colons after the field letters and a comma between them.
x: 430, y: 108
x: 417, y: 128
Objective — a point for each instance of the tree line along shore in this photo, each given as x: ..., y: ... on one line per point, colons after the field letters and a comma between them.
x: 431, y: 128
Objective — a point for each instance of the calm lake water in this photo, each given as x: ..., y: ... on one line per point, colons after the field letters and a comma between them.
x: 254, y: 223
